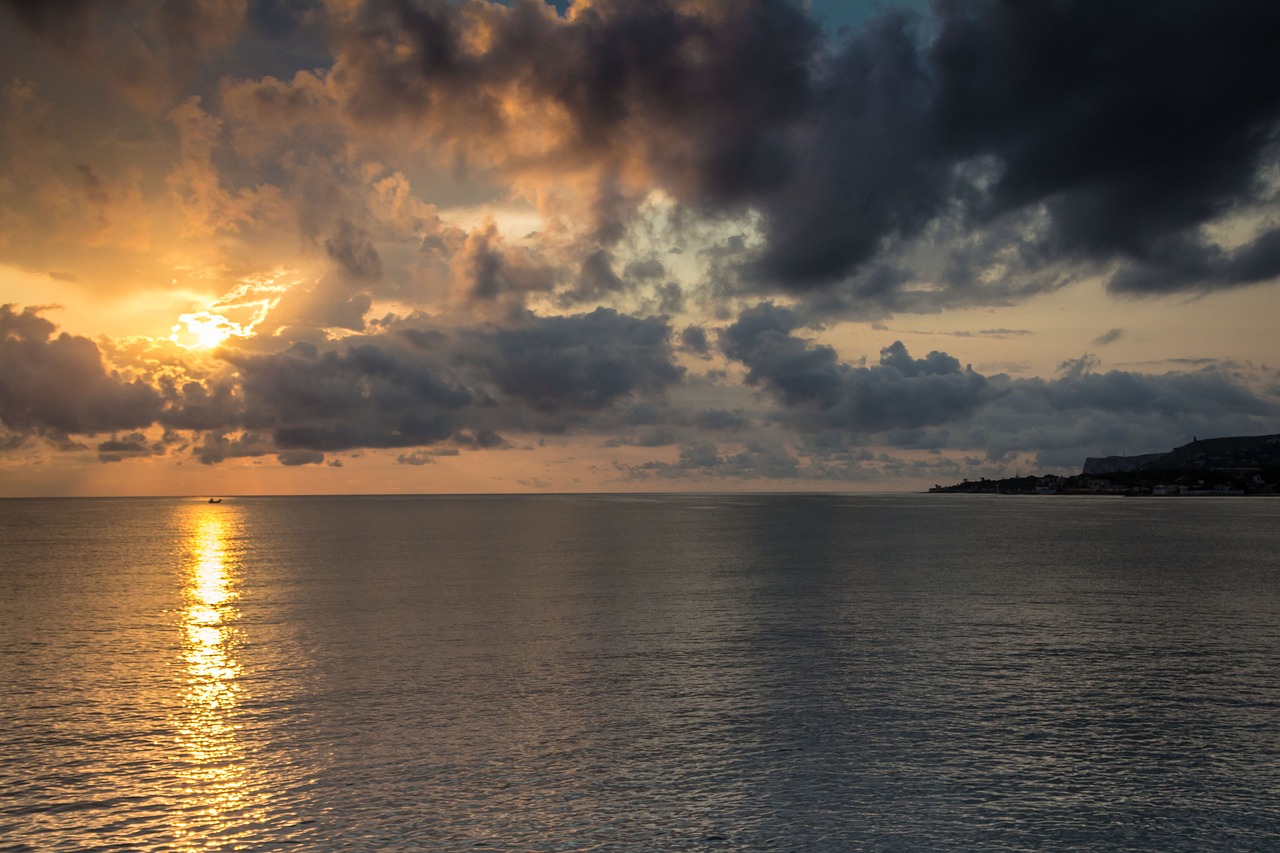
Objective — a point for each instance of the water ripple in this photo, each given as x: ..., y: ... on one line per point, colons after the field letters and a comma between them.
x: 774, y: 673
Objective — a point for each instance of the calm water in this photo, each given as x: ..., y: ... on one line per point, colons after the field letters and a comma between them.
x: 608, y: 673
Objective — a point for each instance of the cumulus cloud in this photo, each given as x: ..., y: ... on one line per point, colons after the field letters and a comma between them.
x: 365, y: 395
x: 581, y: 362
x: 817, y: 389
x: 933, y: 402
x: 59, y: 385
x: 420, y: 385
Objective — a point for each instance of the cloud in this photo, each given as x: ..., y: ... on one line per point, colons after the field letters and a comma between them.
x: 997, y: 334
x: 200, y: 406
x: 130, y: 446
x: 146, y: 51
x: 978, y: 154
x: 1186, y: 262
x: 366, y: 395
x: 818, y: 390
x: 1108, y: 337
x: 354, y: 253
x: 418, y: 385
x: 499, y: 221
x: 489, y: 271
x: 59, y: 385
x: 581, y: 362
x: 694, y: 340
x: 1078, y: 133
x: 704, y: 459
x: 417, y: 457
x: 294, y: 458
x: 933, y: 402
x: 1128, y: 146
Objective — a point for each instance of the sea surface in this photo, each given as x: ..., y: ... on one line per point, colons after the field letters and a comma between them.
x: 776, y: 672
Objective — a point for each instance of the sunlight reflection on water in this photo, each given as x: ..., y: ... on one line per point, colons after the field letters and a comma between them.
x: 213, y: 758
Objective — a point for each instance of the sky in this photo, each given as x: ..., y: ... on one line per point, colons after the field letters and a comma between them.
x: 427, y: 246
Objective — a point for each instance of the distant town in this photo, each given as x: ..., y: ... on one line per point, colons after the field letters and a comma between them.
x: 1237, y: 465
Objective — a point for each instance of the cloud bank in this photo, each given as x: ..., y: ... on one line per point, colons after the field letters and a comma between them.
x: 456, y: 227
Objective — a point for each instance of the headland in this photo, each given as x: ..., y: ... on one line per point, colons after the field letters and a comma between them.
x: 1233, y: 465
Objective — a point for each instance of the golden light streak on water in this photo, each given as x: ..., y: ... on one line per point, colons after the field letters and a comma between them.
x: 219, y: 794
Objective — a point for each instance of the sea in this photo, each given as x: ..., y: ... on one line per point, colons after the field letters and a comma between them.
x: 640, y: 673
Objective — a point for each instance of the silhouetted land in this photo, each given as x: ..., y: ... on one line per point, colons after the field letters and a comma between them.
x: 1237, y: 465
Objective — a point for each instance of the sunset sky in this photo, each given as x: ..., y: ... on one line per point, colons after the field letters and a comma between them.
x: 334, y: 246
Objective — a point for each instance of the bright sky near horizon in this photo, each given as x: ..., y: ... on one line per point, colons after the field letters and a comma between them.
x: 365, y: 246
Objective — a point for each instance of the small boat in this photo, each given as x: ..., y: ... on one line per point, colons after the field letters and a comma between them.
x: 215, y: 500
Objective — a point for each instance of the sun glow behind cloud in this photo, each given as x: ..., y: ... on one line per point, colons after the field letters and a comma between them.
x: 205, y: 330
x: 256, y: 295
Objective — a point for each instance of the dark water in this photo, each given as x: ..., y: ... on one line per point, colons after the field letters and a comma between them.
x: 607, y: 673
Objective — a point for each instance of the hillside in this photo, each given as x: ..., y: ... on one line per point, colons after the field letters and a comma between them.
x: 1233, y: 465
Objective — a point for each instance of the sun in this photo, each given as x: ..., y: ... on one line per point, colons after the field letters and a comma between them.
x: 204, y: 330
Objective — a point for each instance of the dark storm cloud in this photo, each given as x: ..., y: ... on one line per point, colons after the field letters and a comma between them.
x: 863, y: 170
x: 177, y: 29
x: 1133, y: 124
x: 416, y: 386
x: 1130, y: 126
x: 581, y: 362
x: 799, y: 372
x: 199, y: 406
x: 818, y: 389
x: 59, y: 386
x: 902, y: 395
x: 704, y: 99
x: 1185, y: 262
x: 1082, y: 132
x: 832, y: 411
x: 1170, y: 395
x: 366, y: 396
x: 412, y: 384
